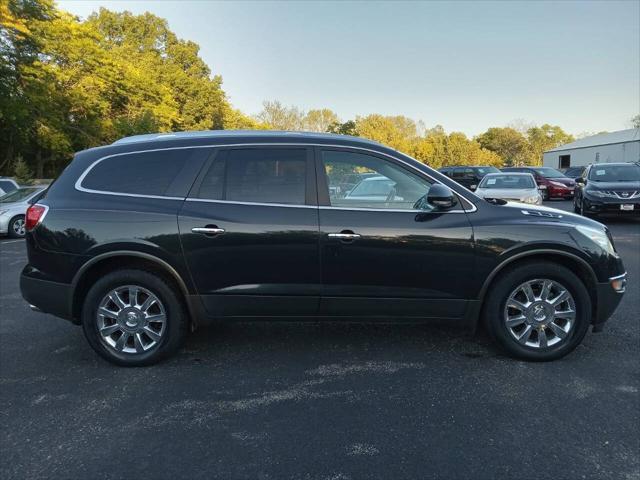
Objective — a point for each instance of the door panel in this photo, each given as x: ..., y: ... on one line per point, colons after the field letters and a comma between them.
x: 263, y: 258
x: 402, y: 261
x: 425, y: 257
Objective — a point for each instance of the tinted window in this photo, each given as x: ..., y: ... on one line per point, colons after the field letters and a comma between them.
x: 213, y: 182
x: 508, y: 181
x: 382, y: 184
x: 615, y: 173
x: 485, y: 170
x: 270, y: 175
x: 7, y: 186
x: 19, y: 194
x: 548, y: 172
x: 145, y: 173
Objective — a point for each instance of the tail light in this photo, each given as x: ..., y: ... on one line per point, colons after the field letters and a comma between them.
x: 35, y: 215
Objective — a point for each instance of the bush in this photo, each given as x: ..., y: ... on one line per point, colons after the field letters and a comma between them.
x: 22, y: 172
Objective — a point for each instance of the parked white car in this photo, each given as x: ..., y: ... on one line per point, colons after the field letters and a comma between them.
x: 514, y: 187
x: 13, y: 208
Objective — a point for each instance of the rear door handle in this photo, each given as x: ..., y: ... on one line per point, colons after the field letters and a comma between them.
x: 209, y: 230
x: 345, y: 235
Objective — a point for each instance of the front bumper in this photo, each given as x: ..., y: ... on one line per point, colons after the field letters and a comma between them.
x: 608, y: 296
x: 610, y: 205
x: 46, y: 296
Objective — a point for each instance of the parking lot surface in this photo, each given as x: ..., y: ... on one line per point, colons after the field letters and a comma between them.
x: 319, y: 401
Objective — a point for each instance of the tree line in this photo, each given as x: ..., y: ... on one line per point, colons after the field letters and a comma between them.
x: 67, y: 85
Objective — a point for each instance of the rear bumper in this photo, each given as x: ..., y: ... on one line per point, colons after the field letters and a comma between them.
x: 46, y: 296
x: 607, y: 301
x: 559, y: 192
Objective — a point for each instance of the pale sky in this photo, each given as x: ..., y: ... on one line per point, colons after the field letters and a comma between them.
x: 466, y: 66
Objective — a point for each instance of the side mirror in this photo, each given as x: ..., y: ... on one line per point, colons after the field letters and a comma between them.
x: 473, y: 187
x: 441, y: 197
x: 580, y: 181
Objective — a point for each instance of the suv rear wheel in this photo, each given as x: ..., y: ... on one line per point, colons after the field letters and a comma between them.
x: 538, y: 311
x: 133, y: 318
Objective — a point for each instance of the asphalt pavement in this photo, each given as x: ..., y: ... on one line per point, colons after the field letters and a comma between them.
x: 319, y: 401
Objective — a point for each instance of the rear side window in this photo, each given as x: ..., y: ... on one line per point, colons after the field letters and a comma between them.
x: 257, y: 175
x: 7, y: 186
x: 158, y: 173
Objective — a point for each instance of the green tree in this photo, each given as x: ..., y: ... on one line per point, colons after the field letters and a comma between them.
x: 319, y: 120
x: 545, y: 138
x: 508, y: 143
x: 386, y: 130
x: 22, y: 172
x: 346, y: 128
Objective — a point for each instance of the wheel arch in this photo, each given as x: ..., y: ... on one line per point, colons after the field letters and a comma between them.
x: 108, y: 262
x: 567, y: 259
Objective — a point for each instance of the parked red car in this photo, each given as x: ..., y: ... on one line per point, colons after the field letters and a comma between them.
x: 551, y: 182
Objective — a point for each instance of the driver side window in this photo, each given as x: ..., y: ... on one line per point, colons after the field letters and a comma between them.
x: 357, y: 180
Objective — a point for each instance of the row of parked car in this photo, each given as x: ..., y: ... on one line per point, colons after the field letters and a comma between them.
x: 14, y: 201
x: 596, y: 188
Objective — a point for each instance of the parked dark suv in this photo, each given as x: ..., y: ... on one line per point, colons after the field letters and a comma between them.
x: 609, y: 188
x: 145, y: 239
x: 468, y: 176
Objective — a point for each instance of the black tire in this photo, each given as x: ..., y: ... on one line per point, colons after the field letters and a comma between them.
x: 176, y: 317
x: 576, y: 208
x: 12, y: 230
x: 493, y: 311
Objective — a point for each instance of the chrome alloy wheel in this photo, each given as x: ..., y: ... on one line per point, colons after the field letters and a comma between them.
x: 131, y: 319
x: 18, y: 227
x: 540, y: 313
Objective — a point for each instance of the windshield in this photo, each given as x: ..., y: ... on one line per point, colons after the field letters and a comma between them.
x: 508, y: 181
x: 18, y: 195
x: 615, y: 173
x: 372, y: 187
x: 485, y: 170
x: 548, y: 172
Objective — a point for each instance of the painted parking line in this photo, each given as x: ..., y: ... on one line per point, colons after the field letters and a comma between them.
x: 11, y: 241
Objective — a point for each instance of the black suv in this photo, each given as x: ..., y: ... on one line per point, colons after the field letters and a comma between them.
x: 144, y: 240
x: 611, y: 188
x: 468, y: 176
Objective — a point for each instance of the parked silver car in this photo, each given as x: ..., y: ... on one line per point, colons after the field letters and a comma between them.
x: 7, y: 185
x: 13, y: 207
x: 515, y: 187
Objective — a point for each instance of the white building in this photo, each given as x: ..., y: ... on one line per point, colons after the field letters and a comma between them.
x: 622, y: 146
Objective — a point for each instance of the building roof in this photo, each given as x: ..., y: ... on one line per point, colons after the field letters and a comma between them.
x: 237, y: 134
x: 621, y: 136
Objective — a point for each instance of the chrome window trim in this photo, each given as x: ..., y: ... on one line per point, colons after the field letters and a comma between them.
x: 261, y: 204
x: 78, y: 185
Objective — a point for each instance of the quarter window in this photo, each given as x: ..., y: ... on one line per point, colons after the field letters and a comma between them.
x: 143, y: 173
x: 363, y: 181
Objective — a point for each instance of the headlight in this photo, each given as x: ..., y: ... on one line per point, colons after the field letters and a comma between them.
x: 557, y: 184
x: 531, y: 199
x: 596, y: 193
x: 597, y: 236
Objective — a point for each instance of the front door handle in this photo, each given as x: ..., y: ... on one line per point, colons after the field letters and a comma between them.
x: 209, y: 230
x: 345, y: 235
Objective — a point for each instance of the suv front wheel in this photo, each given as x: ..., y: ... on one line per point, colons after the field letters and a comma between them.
x: 538, y: 311
x: 133, y: 318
